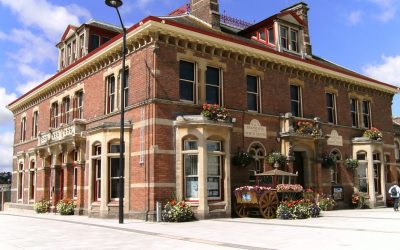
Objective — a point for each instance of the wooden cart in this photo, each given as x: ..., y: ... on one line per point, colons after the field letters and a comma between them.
x: 264, y: 195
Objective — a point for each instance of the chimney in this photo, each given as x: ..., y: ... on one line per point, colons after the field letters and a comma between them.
x: 301, y: 9
x: 206, y: 10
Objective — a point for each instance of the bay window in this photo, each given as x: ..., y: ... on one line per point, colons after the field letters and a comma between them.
x: 190, y: 163
x: 113, y: 170
x: 96, y: 160
x: 214, y: 163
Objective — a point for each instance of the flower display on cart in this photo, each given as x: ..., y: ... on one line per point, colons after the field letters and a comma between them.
x: 215, y: 112
x: 241, y: 191
x: 373, y: 134
x: 289, y: 188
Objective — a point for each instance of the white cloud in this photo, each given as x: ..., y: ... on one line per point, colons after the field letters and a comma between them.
x: 50, y: 18
x: 387, y: 15
x: 6, y: 150
x: 386, y: 71
x: 40, y: 77
x: 354, y: 17
x: 3, y: 36
x: 387, y: 9
x: 5, y: 99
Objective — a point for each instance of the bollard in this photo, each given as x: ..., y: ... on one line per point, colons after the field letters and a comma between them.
x: 158, y: 210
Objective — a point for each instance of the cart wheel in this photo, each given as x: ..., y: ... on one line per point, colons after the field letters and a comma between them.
x: 268, y: 204
x: 240, y: 210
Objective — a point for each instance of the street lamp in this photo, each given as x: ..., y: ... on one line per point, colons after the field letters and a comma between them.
x: 115, y: 4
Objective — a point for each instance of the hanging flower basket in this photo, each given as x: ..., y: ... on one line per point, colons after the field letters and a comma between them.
x: 351, y: 163
x: 215, y: 112
x: 242, y: 159
x: 328, y: 160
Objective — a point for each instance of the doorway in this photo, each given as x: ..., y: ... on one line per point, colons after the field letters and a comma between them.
x: 298, y: 166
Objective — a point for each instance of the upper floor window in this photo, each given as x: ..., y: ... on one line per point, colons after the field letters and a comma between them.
x: 366, y: 114
x: 295, y: 100
x: 187, y: 83
x: 213, y: 85
x: 262, y: 35
x: 73, y: 50
x: 35, y: 120
x: 126, y: 87
x: 23, y: 129
x: 331, y: 107
x: 94, y: 42
x: 284, y: 37
x: 66, y: 110
x: 78, y: 105
x: 69, y: 54
x: 105, y: 39
x: 253, y: 95
x: 294, y: 44
x: 81, y: 45
x: 354, y: 112
x: 54, y: 115
x: 111, y: 107
x: 271, y: 36
x: 62, y: 58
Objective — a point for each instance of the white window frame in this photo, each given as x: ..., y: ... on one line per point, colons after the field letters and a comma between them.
x: 368, y: 114
x: 111, y: 101
x: 354, y: 113
x: 331, y: 110
x: 111, y: 156
x: 189, y: 152
x: 220, y: 156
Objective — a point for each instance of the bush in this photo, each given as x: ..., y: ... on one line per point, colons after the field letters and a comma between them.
x: 66, y: 207
x: 177, y: 212
x: 326, y: 203
x: 42, y: 206
x: 298, y: 209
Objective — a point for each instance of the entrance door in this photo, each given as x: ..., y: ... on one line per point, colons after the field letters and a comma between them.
x: 298, y: 166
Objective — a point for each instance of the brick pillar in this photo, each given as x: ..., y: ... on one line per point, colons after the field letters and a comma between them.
x: 68, y: 181
x: 81, y: 184
x: 206, y: 10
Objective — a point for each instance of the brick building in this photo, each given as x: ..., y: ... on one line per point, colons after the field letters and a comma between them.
x: 67, y: 131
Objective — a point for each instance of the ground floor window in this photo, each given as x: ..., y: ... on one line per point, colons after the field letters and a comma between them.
x: 20, y: 180
x: 362, y: 172
x: 75, y: 192
x: 32, y: 181
x: 114, y: 178
x: 190, y: 166
x: 214, y: 163
x: 97, y: 179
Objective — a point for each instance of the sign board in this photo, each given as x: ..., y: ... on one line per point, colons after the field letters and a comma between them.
x: 335, y: 139
x: 337, y: 193
x: 255, y: 130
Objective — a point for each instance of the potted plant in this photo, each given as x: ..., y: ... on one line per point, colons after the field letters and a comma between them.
x: 242, y: 159
x: 215, y: 112
x: 276, y: 157
x: 351, y: 163
x: 373, y: 134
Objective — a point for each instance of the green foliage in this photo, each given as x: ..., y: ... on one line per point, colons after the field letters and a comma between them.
x: 360, y: 200
x: 351, y: 163
x: 298, y: 209
x: 242, y: 159
x: 373, y: 134
x: 42, y: 206
x: 276, y: 157
x: 328, y: 160
x: 177, y: 212
x: 66, y: 207
x: 326, y: 203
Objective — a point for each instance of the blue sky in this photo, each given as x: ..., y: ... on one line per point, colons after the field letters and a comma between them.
x: 362, y: 35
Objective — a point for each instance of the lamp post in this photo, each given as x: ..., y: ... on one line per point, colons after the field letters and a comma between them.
x: 115, y: 4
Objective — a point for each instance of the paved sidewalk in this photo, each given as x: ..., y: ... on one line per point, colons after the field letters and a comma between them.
x: 341, y: 229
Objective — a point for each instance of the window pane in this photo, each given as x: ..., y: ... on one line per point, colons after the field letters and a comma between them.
x: 190, y: 145
x: 271, y: 36
x: 212, y: 94
x: 330, y: 116
x: 213, y: 146
x: 114, y: 167
x: 329, y: 100
x: 191, y: 187
x: 252, y: 84
x: 94, y: 42
x: 114, y: 148
x: 262, y: 35
x: 213, y: 165
x: 294, y: 92
x: 186, y: 90
x: 190, y: 162
x: 295, y: 108
x: 213, y: 186
x: 252, y: 102
x: 212, y: 76
x: 186, y: 70
x: 114, y: 188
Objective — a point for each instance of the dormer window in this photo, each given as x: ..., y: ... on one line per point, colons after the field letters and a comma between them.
x: 265, y: 35
x: 289, y: 39
x: 271, y: 36
x: 262, y: 35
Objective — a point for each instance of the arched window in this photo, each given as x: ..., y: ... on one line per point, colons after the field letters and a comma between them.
x: 337, y: 156
x: 258, y: 152
x: 96, y: 164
